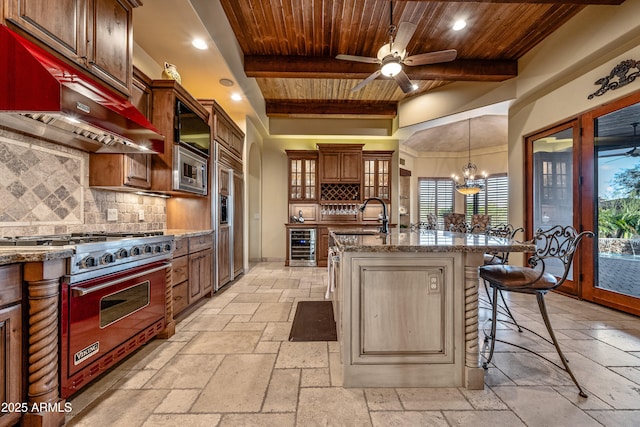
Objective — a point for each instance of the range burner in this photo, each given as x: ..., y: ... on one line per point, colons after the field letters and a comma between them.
x: 100, y: 253
x: 74, y: 238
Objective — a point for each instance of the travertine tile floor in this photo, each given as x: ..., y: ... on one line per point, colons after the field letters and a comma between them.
x: 231, y: 364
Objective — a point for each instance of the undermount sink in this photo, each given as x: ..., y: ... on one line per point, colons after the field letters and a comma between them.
x: 355, y: 232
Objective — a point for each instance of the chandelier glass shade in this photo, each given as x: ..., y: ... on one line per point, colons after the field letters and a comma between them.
x: 468, y: 184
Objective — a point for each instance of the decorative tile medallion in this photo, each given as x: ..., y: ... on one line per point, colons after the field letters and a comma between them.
x: 39, y: 186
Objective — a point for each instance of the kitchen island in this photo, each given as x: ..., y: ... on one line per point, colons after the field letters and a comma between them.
x: 406, y: 306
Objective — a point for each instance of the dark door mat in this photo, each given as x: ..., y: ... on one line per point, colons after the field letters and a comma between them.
x: 313, y: 322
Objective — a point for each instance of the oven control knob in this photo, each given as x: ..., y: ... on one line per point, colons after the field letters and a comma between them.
x: 166, y: 247
x: 121, y: 253
x: 147, y: 249
x: 136, y: 250
x: 157, y: 249
x: 87, y: 262
x: 107, y: 259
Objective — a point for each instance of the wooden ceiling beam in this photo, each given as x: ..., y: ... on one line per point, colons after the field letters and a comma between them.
x: 314, y: 67
x: 576, y: 2
x: 310, y: 108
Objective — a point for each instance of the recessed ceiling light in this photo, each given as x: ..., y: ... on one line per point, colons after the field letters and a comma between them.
x: 414, y: 86
x: 199, y: 44
x: 226, y: 82
x: 459, y: 24
x: 236, y: 96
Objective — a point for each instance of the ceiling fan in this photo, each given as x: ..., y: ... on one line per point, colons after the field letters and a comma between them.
x: 634, y: 152
x: 393, y: 55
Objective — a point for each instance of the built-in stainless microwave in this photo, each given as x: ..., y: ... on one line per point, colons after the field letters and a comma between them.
x: 189, y: 171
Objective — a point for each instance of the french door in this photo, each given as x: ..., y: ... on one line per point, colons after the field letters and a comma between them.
x: 553, y: 190
x: 611, y: 141
x: 586, y: 173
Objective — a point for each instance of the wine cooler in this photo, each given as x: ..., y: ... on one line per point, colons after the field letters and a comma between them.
x: 302, y: 247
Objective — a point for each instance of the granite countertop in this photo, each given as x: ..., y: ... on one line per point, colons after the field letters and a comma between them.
x: 179, y: 232
x: 359, y: 240
x: 15, y: 254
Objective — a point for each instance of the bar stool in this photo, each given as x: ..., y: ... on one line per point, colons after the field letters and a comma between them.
x: 506, y: 231
x: 556, y: 244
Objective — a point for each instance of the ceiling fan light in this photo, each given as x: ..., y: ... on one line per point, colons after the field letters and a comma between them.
x: 391, y: 68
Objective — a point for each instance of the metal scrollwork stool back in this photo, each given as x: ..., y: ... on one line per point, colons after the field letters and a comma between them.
x: 556, y: 244
x: 506, y: 231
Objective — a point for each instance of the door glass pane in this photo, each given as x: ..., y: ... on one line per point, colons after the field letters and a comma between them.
x: 553, y: 184
x: 617, y: 147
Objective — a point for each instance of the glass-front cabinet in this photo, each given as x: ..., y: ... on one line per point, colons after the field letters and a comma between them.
x: 303, y: 175
x: 377, y: 174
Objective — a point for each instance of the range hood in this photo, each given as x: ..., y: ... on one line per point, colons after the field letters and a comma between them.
x: 48, y: 98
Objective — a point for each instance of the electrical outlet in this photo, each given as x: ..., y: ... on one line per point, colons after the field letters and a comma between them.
x: 112, y: 214
x: 141, y: 215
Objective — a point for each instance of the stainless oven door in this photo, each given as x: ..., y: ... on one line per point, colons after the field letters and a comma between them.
x: 107, y: 311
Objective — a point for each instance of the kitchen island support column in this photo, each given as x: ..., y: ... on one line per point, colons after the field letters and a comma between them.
x: 43, y: 291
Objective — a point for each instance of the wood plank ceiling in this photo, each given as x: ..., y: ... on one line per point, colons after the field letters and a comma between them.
x: 290, y: 46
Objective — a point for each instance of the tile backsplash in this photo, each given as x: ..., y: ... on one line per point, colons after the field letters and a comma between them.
x: 44, y: 190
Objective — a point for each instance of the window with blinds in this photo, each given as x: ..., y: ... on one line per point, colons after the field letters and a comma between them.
x: 492, y: 200
x: 435, y: 196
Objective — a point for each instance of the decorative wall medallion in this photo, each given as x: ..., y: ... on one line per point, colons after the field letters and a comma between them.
x: 621, y: 75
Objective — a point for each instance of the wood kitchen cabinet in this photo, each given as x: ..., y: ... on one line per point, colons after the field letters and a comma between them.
x: 10, y: 341
x: 165, y: 95
x: 126, y: 172
x: 303, y: 176
x: 225, y: 131
x: 95, y: 34
x: 224, y: 255
x: 340, y: 163
x: 192, y: 270
x: 377, y: 174
x: 238, y: 224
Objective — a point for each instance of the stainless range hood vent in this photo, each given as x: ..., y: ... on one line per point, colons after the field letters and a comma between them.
x: 67, y: 124
x: 46, y: 97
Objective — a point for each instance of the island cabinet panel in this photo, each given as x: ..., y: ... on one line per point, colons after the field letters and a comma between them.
x: 400, y: 319
x: 400, y: 313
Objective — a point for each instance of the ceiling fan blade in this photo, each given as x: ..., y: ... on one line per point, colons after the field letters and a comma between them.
x: 403, y: 81
x: 403, y: 36
x: 431, y: 57
x: 634, y: 152
x: 366, y: 81
x: 355, y: 58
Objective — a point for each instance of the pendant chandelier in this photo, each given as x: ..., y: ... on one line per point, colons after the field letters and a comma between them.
x: 468, y: 184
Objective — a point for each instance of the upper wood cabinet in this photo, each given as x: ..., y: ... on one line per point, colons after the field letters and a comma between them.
x: 340, y: 163
x: 126, y: 171
x: 225, y: 131
x: 377, y: 174
x: 303, y: 176
x: 96, y: 34
x: 165, y: 95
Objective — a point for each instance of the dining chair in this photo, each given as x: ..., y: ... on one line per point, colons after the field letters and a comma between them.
x: 506, y: 231
x: 482, y: 222
x: 455, y: 222
x: 554, y: 246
